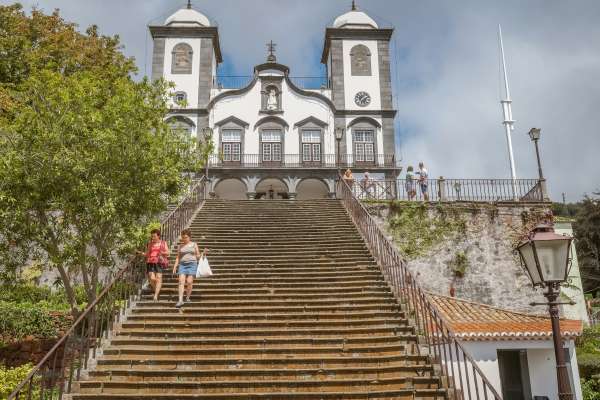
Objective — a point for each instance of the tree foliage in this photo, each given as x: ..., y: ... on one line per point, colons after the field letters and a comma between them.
x: 85, y: 154
x: 587, y: 233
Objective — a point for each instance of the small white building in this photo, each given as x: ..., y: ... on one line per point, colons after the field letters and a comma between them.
x: 275, y: 134
x: 515, y: 351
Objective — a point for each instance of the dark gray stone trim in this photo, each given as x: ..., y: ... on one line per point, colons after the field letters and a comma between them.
x: 158, y: 58
x: 389, y: 136
x: 385, y: 75
x: 233, y: 120
x: 337, y: 75
x: 202, y: 123
x: 311, y: 120
x: 366, y: 120
x: 229, y: 93
x: 180, y: 32
x: 340, y: 122
x: 331, y: 34
x: 181, y: 118
x: 193, y: 111
x: 205, y: 80
x: 275, y: 66
x: 382, y: 113
x: 271, y: 119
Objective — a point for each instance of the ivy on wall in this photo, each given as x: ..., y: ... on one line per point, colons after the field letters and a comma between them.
x: 416, y: 228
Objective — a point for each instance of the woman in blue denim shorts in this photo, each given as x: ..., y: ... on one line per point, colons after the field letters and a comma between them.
x: 187, y: 259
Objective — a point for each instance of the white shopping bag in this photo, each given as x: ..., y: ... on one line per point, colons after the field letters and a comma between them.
x: 203, y: 268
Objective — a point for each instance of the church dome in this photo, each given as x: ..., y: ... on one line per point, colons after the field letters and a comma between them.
x: 187, y: 17
x: 355, y: 19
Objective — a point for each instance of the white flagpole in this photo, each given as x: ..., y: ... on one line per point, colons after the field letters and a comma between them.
x: 508, y: 118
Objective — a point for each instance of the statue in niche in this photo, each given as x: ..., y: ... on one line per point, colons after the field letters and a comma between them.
x: 272, y: 103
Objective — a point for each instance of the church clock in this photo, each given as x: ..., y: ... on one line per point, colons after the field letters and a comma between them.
x: 362, y: 99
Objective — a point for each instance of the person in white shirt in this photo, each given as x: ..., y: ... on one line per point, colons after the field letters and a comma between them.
x: 423, y: 181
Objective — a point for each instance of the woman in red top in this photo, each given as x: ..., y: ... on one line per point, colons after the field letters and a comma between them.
x: 157, y: 254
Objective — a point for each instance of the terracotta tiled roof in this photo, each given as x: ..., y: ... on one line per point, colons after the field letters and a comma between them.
x: 475, y: 322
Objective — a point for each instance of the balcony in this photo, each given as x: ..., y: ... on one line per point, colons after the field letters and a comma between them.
x: 241, y: 81
x: 327, y: 161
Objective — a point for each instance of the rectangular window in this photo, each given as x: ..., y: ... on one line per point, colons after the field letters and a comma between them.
x: 311, y: 146
x: 232, y: 145
x: 271, y: 145
x: 364, y: 146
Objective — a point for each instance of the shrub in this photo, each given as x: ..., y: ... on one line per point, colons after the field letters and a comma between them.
x: 11, y: 377
x: 589, y: 364
x: 28, y: 319
x: 590, y: 389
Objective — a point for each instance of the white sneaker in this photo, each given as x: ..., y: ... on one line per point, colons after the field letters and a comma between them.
x: 179, y: 304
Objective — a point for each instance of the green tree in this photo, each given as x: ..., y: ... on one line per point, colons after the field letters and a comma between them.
x: 587, y: 233
x: 85, y: 154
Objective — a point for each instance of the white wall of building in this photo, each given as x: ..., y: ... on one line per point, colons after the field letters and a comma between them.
x: 540, y: 357
x: 296, y: 108
x: 575, y: 291
x: 184, y: 82
x: 355, y: 84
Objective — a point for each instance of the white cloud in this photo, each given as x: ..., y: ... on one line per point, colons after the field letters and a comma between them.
x: 447, y: 86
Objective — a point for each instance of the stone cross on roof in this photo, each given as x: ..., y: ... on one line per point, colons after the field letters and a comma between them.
x: 189, y: 6
x: 271, y: 46
x: 353, y: 5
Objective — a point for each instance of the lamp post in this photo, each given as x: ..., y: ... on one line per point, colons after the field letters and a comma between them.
x: 207, y: 134
x: 534, y: 135
x: 339, y: 134
x: 545, y: 256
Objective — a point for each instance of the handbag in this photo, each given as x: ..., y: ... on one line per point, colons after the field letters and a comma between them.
x: 203, y: 268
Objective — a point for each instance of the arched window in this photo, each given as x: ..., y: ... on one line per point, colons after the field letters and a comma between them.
x: 181, y: 125
x: 360, y: 60
x: 182, y: 59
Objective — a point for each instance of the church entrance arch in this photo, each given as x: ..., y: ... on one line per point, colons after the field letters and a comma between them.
x: 311, y: 188
x: 272, y: 189
x: 231, y: 189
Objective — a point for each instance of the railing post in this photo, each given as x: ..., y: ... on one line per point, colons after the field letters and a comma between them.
x: 441, y: 189
x: 544, y: 189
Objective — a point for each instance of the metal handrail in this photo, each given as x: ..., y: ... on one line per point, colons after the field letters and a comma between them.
x: 445, y: 190
x: 54, y: 376
x: 463, y: 376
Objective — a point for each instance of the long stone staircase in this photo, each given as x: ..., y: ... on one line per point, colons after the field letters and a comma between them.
x: 297, y: 309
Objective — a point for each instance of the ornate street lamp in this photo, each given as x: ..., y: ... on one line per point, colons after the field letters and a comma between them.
x: 545, y: 256
x: 339, y: 134
x: 207, y: 134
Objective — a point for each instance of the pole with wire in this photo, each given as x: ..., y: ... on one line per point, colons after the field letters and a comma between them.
x: 508, y: 122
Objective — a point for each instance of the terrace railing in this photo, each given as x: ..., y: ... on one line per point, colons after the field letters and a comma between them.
x: 241, y: 81
x: 465, y: 379
x: 298, y: 161
x: 56, y: 375
x: 479, y: 190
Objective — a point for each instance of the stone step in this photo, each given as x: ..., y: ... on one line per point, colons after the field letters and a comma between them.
x: 259, y: 342
x: 249, y: 282
x: 267, y: 361
x: 268, y: 294
x: 292, y: 332
x: 148, y: 373
x: 271, y: 309
x: 278, y: 304
x: 400, y: 324
x: 187, y: 315
x: 267, y: 274
x: 262, y: 386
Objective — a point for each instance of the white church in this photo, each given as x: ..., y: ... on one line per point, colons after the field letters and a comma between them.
x: 276, y: 136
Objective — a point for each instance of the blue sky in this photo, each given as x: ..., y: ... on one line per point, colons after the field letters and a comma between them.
x: 445, y: 72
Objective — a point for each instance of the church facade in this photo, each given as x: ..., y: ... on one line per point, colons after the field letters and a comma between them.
x: 277, y: 136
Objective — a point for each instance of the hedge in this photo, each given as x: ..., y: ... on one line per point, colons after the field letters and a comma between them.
x: 11, y: 377
x: 18, y: 321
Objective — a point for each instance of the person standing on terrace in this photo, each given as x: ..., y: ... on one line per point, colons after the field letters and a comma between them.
x: 423, y: 180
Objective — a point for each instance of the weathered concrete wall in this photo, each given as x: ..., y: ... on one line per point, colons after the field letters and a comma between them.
x: 472, y: 256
